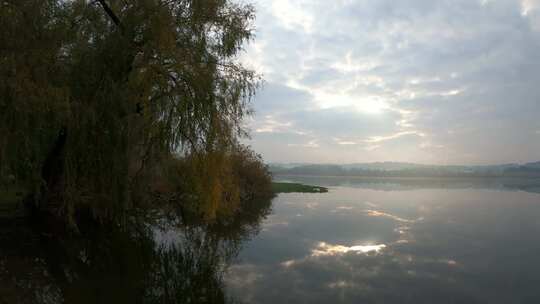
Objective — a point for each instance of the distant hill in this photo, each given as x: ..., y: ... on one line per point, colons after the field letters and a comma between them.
x: 533, y: 165
x: 397, y: 169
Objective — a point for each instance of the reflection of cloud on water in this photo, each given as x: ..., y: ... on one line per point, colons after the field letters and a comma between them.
x: 370, y: 204
x: 341, y: 284
x: 354, y: 273
x: 244, y: 277
x: 274, y: 221
x: 449, y: 262
x: 402, y: 229
x: 325, y: 249
x: 312, y: 205
x: 452, y: 256
x: 391, y: 216
x: 288, y: 263
x: 343, y: 209
x: 362, y: 273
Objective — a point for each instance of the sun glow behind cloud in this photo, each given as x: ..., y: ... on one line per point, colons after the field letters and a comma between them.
x: 529, y: 5
x: 325, y: 99
x: 365, y: 104
x: 291, y: 14
x: 356, y: 81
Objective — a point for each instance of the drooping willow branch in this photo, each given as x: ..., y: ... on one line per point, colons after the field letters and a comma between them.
x: 111, y: 14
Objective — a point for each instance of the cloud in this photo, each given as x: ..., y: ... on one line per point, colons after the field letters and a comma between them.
x: 376, y: 213
x: 452, y: 81
x: 378, y: 139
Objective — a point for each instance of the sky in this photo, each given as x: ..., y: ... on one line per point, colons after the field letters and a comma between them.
x: 435, y: 82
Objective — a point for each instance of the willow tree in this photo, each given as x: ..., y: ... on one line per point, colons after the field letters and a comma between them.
x: 93, y: 92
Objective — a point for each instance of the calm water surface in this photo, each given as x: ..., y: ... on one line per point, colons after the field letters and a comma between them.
x: 365, y: 241
x: 437, y: 241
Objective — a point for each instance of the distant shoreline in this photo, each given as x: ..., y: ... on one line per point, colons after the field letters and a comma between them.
x: 367, y: 177
x: 528, y: 184
x: 288, y: 187
x: 405, y: 170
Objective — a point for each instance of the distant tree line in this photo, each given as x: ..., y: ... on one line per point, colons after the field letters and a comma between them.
x: 527, y: 171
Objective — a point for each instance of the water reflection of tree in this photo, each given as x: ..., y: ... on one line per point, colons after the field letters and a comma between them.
x: 190, y: 269
x: 184, y: 263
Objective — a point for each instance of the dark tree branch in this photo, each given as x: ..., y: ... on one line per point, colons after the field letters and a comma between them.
x: 111, y: 14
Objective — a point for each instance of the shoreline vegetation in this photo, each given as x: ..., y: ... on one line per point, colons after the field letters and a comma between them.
x: 527, y: 184
x: 122, y: 174
x: 286, y: 187
x: 113, y: 106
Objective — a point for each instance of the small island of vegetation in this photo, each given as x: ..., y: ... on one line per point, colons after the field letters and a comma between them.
x: 280, y: 187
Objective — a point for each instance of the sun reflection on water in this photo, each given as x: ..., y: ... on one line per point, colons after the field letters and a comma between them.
x: 325, y: 249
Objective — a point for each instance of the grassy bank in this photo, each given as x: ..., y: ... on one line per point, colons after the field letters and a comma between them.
x: 296, y: 188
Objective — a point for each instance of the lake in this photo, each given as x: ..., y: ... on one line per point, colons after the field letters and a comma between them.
x: 365, y: 241
x: 395, y: 241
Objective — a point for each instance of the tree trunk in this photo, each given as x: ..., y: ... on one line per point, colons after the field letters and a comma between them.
x: 52, y: 173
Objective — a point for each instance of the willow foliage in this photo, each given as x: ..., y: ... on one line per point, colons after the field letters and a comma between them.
x: 93, y: 92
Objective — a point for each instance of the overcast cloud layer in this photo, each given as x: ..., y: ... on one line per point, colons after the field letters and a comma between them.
x: 441, y: 82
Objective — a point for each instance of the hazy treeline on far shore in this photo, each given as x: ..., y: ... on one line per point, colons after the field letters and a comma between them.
x: 395, y: 169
